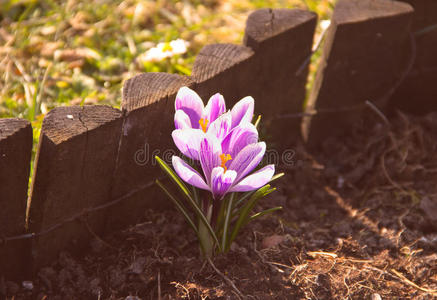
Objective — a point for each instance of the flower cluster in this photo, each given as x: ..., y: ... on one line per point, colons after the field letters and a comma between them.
x: 224, y: 142
x: 221, y: 150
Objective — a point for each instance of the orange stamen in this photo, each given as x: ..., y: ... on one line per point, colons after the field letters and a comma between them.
x: 225, y: 158
x: 203, y: 124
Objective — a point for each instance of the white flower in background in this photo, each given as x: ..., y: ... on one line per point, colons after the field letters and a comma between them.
x: 324, y: 24
x: 164, y: 50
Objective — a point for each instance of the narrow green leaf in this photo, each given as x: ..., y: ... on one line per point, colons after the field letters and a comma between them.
x: 257, y: 121
x: 173, y: 176
x: 276, y: 176
x: 226, y: 224
x: 264, y: 212
x: 244, y: 197
x: 190, y: 199
x: 248, y: 194
x: 202, y: 218
x: 245, y: 210
x: 179, y: 206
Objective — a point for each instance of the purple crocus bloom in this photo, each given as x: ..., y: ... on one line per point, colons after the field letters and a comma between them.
x: 226, y: 164
x: 191, y: 113
x: 193, y: 120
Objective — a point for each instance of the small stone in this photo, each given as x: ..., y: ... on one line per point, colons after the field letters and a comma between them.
x: 28, y: 285
x: 273, y: 241
x: 375, y: 296
x: 132, y: 298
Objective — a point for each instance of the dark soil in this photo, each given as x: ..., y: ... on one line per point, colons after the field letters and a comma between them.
x: 359, y: 222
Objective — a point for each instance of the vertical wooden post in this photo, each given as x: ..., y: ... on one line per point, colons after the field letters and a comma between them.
x: 224, y: 69
x: 366, y: 51
x: 73, y: 172
x: 418, y: 92
x: 148, y: 103
x: 282, y: 40
x: 15, y: 153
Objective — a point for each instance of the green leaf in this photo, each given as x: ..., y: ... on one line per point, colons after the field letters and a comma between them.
x: 246, y: 209
x: 226, y: 224
x: 190, y: 199
x: 179, y: 206
x: 173, y: 176
x: 257, y: 121
x: 264, y: 212
x: 276, y: 176
x: 248, y: 194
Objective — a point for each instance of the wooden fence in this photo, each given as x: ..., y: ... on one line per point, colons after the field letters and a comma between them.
x: 94, y: 168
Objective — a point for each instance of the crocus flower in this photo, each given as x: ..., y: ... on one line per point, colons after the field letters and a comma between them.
x: 191, y: 112
x: 226, y: 164
x: 193, y: 120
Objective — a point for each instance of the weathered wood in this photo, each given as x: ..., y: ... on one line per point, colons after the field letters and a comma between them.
x: 73, y: 172
x: 224, y: 69
x: 15, y: 154
x: 365, y: 53
x: 148, y: 102
x: 282, y: 40
x: 418, y: 92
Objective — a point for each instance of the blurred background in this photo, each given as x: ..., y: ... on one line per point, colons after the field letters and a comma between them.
x: 74, y: 52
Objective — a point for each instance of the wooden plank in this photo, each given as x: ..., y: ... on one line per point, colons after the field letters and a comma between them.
x: 365, y: 52
x: 15, y: 153
x: 282, y: 40
x: 224, y: 69
x: 74, y: 166
x: 148, y: 103
x: 418, y: 92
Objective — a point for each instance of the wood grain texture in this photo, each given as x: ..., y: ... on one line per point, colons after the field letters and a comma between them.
x: 148, y: 101
x: 366, y: 51
x: 15, y: 154
x: 216, y: 58
x: 74, y: 166
x: 224, y: 69
x: 282, y: 40
x: 264, y: 24
x: 418, y: 92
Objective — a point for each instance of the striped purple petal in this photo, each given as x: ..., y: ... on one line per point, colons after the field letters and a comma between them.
x: 221, y: 181
x: 181, y: 120
x: 216, y: 106
x: 188, y: 141
x: 243, y: 111
x: 239, y: 137
x: 188, y: 101
x: 247, y: 159
x: 255, y: 180
x: 188, y: 174
x: 210, y: 150
x: 221, y: 126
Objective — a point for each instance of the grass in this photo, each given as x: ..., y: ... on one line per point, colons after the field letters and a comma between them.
x: 56, y: 53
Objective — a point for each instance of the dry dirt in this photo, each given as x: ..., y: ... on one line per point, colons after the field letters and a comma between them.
x: 359, y: 221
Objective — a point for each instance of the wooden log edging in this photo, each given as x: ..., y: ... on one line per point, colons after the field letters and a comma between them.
x: 90, y: 157
x: 148, y: 103
x: 366, y: 51
x: 15, y: 153
x: 75, y: 161
x: 418, y: 93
